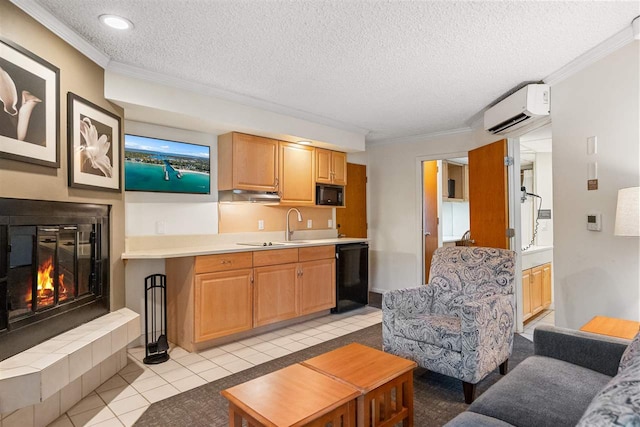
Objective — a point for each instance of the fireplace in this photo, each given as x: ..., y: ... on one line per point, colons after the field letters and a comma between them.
x: 54, y: 269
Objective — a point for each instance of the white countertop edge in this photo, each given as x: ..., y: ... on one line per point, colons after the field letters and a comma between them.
x: 221, y: 248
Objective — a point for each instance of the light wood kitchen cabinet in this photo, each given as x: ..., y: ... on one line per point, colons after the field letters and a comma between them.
x: 331, y: 167
x: 214, y: 296
x: 536, y: 290
x: 459, y: 173
x: 223, y: 304
x: 296, y: 172
x: 247, y: 162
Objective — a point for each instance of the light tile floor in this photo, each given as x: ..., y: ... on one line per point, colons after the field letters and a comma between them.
x: 123, y: 398
x: 545, y: 318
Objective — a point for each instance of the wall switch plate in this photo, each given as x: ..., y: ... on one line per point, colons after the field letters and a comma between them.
x: 594, y: 221
x: 260, y: 224
x: 592, y: 145
x: 330, y: 223
x: 309, y: 223
x: 592, y: 170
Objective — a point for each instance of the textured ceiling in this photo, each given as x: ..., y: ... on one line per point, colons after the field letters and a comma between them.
x: 389, y: 68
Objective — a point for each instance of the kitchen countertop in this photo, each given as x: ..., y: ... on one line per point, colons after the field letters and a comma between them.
x: 220, y: 248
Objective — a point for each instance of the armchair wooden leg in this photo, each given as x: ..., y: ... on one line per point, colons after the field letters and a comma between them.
x: 469, y: 392
x: 504, y: 367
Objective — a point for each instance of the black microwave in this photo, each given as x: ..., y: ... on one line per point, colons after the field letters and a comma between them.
x: 329, y: 195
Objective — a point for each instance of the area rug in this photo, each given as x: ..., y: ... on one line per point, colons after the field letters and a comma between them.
x: 437, y: 398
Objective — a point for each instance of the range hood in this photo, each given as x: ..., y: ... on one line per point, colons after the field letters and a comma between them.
x: 248, y: 196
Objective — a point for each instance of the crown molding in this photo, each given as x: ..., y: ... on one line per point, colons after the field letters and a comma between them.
x: 60, y: 29
x: 178, y: 83
x: 593, y: 55
x: 417, y: 138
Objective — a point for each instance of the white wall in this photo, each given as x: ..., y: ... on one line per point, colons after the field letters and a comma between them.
x: 395, y: 213
x: 454, y: 218
x: 596, y: 273
x: 543, y: 174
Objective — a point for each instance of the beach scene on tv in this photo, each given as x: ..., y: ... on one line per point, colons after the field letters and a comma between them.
x: 160, y: 165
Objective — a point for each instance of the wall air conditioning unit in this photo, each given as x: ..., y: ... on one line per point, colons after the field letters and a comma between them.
x: 525, y: 107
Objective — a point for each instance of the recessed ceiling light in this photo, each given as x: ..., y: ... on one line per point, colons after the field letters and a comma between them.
x: 117, y: 22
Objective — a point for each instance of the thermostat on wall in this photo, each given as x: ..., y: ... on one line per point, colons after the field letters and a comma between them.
x: 594, y: 222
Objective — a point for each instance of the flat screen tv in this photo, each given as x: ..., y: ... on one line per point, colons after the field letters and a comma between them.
x: 160, y: 165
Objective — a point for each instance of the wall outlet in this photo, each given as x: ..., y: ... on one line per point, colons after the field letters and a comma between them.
x: 330, y: 223
x: 161, y: 227
x: 309, y: 223
x: 261, y: 224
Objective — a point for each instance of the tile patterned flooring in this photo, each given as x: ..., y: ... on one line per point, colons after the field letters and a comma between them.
x: 122, y: 399
x: 547, y: 317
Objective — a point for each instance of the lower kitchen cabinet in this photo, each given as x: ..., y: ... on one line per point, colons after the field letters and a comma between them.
x: 222, y: 304
x: 317, y: 285
x: 536, y: 290
x: 276, y: 296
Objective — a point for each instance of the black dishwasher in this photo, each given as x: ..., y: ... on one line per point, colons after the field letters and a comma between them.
x: 352, y: 276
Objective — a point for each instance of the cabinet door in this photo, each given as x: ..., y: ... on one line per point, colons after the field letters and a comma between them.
x: 536, y: 289
x: 323, y: 166
x: 526, y: 294
x: 296, y: 174
x: 223, y: 304
x: 339, y: 168
x: 317, y: 285
x: 275, y: 293
x: 255, y: 163
x: 546, y: 285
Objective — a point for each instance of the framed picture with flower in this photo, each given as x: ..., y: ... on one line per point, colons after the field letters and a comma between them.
x: 94, y: 145
x: 29, y: 106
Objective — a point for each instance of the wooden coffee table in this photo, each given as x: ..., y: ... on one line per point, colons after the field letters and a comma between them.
x: 379, y: 376
x: 612, y: 327
x: 293, y: 396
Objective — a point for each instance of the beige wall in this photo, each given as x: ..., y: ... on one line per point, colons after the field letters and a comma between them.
x: 596, y: 273
x: 83, y: 77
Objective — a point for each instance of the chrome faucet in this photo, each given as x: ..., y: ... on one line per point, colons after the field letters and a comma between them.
x: 289, y: 232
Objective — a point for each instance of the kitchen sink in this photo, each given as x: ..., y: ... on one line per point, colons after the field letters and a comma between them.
x: 260, y: 243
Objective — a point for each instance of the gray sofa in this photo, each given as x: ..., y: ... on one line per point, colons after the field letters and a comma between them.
x: 573, y: 378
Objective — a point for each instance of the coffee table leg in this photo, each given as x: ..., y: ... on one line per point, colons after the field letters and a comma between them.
x: 407, y: 397
x: 235, y: 418
x: 363, y: 415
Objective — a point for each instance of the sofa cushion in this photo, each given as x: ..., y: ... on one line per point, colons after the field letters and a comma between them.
x: 436, y: 329
x: 541, y: 391
x: 631, y: 355
x: 618, y: 404
x: 473, y: 419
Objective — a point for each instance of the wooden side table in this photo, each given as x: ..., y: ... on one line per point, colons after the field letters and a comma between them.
x: 291, y: 397
x: 379, y: 376
x: 611, y: 326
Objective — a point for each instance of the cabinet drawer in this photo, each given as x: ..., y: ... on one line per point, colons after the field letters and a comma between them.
x: 317, y: 252
x: 223, y: 262
x: 275, y: 256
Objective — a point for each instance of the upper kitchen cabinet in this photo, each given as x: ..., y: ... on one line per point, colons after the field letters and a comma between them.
x: 331, y: 167
x: 455, y: 181
x: 296, y: 174
x: 247, y: 162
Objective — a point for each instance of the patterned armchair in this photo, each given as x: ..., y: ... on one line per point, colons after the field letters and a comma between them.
x: 461, y: 323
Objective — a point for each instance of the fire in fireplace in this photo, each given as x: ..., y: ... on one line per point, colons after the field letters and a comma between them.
x: 53, y: 267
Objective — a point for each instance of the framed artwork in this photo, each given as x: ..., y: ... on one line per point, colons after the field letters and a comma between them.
x: 94, y: 145
x: 29, y: 107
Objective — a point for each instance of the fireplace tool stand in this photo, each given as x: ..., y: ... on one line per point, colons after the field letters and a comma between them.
x: 155, y: 319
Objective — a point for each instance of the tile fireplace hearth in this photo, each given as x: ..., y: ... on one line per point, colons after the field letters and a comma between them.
x: 54, y: 269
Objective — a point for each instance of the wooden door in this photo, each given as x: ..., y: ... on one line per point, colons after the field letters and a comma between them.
x: 489, y: 196
x: 223, y: 304
x: 429, y: 213
x: 255, y: 163
x: 317, y: 285
x: 275, y: 293
x: 339, y: 168
x: 323, y: 166
x: 351, y: 221
x: 546, y: 285
x: 526, y: 294
x: 297, y: 174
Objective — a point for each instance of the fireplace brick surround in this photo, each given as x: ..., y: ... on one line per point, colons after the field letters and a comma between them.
x: 43, y: 382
